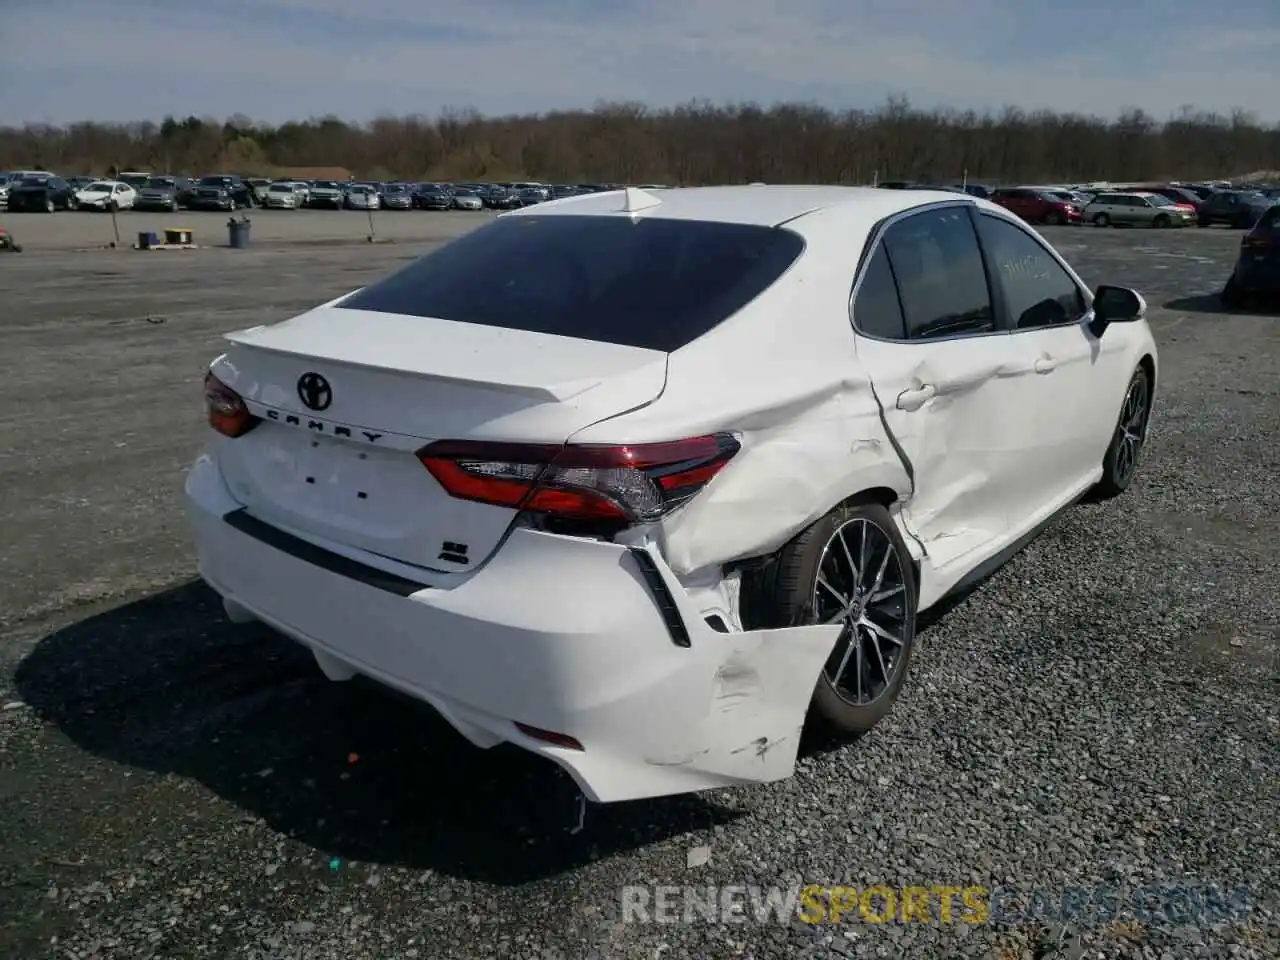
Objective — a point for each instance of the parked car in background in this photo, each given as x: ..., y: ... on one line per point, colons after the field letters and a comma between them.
x: 258, y: 187
x: 327, y: 194
x: 164, y: 193
x: 134, y: 178
x: 529, y: 196
x: 221, y: 192
x: 1257, y: 269
x: 106, y: 195
x: 284, y: 195
x: 41, y: 193
x: 1240, y: 209
x: 361, y: 196
x: 432, y: 196
x: 397, y: 196
x: 1036, y: 206
x: 1179, y: 195
x: 529, y: 189
x: 12, y: 177
x: 1201, y: 190
x: 1077, y: 199
x: 498, y: 197
x: 467, y: 200
x: 580, y: 475
x: 1137, y: 209
x: 974, y: 189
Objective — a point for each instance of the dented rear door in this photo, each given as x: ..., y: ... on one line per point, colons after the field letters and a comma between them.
x: 947, y: 382
x: 951, y: 410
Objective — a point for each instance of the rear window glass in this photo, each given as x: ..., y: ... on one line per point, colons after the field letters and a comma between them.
x: 651, y: 283
x: 1270, y: 220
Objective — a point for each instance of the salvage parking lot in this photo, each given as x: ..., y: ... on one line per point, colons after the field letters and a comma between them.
x: 1104, y: 710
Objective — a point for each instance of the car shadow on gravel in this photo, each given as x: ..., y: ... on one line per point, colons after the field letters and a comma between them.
x: 168, y: 685
x: 1210, y: 303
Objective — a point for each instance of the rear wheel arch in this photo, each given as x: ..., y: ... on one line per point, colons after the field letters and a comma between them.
x: 760, y: 574
x: 885, y: 496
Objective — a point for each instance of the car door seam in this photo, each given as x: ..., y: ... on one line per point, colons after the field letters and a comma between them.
x: 902, y: 456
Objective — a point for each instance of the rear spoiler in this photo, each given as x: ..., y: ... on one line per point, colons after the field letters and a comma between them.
x: 547, y: 394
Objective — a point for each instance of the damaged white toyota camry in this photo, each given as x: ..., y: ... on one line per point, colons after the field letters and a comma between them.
x: 641, y: 481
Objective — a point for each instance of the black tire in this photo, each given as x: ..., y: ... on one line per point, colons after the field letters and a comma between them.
x: 1161, y: 221
x: 73, y: 203
x: 1101, y: 220
x: 173, y: 206
x: 1054, y: 219
x: 787, y: 593
x: 50, y: 206
x: 1204, y: 222
x: 1120, y: 464
x: 1231, y: 295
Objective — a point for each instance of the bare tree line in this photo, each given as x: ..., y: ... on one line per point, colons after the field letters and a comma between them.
x: 696, y: 143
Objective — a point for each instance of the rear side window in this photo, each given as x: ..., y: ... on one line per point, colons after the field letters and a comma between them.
x: 1270, y: 220
x: 648, y: 282
x: 941, y: 278
x: 877, y: 310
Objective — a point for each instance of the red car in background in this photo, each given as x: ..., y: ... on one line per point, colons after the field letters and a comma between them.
x: 1035, y: 205
x: 1182, y: 198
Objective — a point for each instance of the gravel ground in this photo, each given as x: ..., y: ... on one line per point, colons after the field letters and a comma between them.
x: 1104, y: 710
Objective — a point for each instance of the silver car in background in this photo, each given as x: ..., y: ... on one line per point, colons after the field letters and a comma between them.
x: 464, y: 199
x: 397, y: 196
x: 1136, y: 209
x: 361, y: 196
x: 283, y: 196
x: 326, y: 193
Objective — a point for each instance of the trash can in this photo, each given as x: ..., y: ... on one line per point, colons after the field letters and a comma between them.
x: 147, y: 240
x: 238, y: 232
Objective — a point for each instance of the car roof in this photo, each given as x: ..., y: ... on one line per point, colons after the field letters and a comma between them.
x: 765, y: 206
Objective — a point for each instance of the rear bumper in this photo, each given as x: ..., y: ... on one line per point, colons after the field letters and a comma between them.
x: 557, y: 633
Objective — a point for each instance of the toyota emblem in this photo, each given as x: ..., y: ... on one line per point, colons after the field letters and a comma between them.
x: 314, y: 391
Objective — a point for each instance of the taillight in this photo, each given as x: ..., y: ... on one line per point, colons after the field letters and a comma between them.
x: 227, y: 412
x: 1258, y: 240
x: 633, y: 484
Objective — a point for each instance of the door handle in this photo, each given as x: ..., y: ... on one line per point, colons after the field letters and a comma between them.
x: 916, y: 397
x: 1046, y: 364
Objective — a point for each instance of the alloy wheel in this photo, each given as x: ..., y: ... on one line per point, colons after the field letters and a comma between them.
x: 860, y: 585
x: 1131, y: 430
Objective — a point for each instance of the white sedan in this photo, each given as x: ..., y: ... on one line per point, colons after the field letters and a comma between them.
x: 678, y: 475
x: 105, y: 194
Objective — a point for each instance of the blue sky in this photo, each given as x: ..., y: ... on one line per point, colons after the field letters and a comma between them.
x: 64, y: 60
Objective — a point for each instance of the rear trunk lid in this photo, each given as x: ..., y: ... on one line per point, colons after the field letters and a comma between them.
x: 343, y: 470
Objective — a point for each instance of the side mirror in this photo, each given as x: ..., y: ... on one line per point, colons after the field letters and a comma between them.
x: 1116, y: 305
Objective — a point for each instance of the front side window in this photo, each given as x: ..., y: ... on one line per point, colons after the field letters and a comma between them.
x: 941, y: 279
x: 1037, y: 291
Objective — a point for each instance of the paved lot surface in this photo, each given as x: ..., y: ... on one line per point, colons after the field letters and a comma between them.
x: 1105, y: 710
x: 70, y: 231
